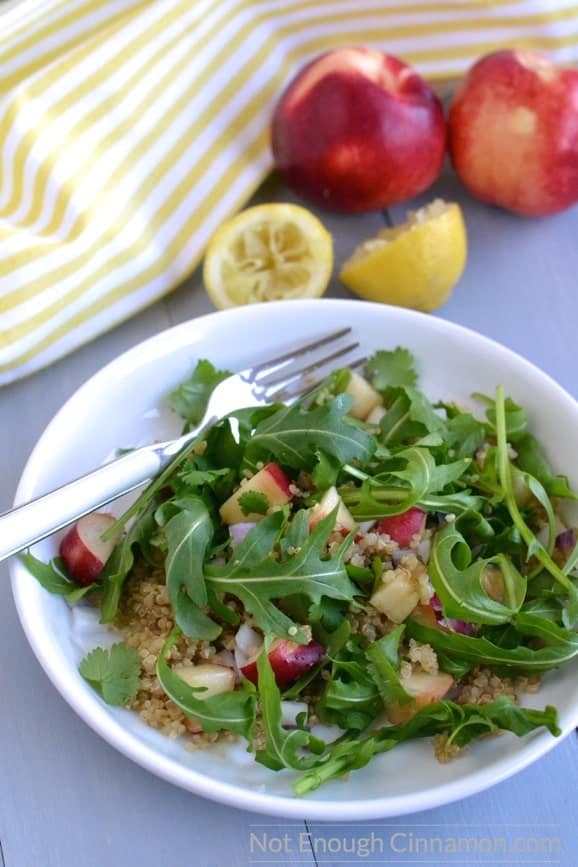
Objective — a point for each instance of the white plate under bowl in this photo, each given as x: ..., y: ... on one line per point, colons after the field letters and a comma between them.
x: 122, y: 405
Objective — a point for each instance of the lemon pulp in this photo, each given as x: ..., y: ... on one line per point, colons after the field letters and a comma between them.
x: 267, y: 253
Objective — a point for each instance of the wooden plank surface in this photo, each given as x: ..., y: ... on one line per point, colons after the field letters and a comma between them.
x: 67, y: 799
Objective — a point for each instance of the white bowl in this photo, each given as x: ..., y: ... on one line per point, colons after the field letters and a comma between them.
x: 122, y: 405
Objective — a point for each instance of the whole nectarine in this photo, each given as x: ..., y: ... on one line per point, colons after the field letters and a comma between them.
x: 358, y: 130
x: 513, y: 133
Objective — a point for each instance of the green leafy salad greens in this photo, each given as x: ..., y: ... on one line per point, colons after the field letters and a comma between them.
x: 501, y: 561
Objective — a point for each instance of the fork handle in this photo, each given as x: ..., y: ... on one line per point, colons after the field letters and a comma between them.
x: 39, y: 518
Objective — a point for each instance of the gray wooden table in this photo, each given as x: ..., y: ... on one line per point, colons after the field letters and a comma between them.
x: 67, y: 799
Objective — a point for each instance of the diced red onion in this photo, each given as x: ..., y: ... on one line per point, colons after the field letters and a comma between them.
x: 237, y: 532
x: 248, y: 644
x: 423, y: 550
x: 461, y: 626
x: 365, y: 526
x: 398, y: 553
x: 566, y: 540
x: 436, y: 604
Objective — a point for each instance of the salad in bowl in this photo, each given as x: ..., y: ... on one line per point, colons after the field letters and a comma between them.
x: 403, y: 579
x: 323, y: 582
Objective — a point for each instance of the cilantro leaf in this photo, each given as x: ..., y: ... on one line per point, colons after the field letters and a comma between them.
x: 387, y: 368
x: 114, y: 673
x: 190, y: 399
x: 254, y: 503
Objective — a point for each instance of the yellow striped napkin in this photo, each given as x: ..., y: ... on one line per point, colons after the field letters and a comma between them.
x: 130, y: 129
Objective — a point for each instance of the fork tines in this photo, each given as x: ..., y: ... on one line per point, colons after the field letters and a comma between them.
x: 286, y: 377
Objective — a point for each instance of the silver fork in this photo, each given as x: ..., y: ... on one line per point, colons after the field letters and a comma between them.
x: 277, y: 379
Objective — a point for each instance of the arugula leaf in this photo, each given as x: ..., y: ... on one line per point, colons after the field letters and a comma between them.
x: 256, y: 578
x: 254, y: 503
x: 121, y: 561
x: 293, y: 748
x: 535, y: 547
x: 406, y: 479
x: 562, y: 645
x: 458, y: 581
x: 192, y: 620
x: 335, y: 383
x: 532, y: 459
x: 325, y: 471
x: 351, y: 698
x: 190, y: 399
x: 294, y: 436
x: 462, y: 723
x: 444, y: 475
x: 514, y: 420
x: 114, y: 673
x: 53, y: 578
x: 464, y: 433
x: 403, y: 481
x: 543, y: 607
x: 233, y: 711
x: 391, y: 368
x: 188, y: 533
x: 297, y: 532
x: 409, y: 416
x: 383, y: 656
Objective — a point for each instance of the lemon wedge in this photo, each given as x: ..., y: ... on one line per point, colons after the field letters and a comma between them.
x: 415, y: 264
x: 267, y: 253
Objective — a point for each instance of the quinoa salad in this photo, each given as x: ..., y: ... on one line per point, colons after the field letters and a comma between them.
x: 363, y: 562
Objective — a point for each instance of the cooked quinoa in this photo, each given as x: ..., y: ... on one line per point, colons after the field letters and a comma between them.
x: 145, y: 617
x: 146, y: 620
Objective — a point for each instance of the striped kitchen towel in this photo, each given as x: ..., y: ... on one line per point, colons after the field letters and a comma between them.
x: 130, y: 129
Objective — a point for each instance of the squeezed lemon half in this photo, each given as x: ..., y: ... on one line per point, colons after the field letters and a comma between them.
x: 268, y: 253
x: 415, y: 264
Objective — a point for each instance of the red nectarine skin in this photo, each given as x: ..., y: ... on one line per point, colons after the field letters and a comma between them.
x: 281, y: 478
x: 289, y: 661
x: 358, y: 130
x: 513, y: 133
x: 83, y: 550
x: 402, y: 528
x: 80, y: 563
